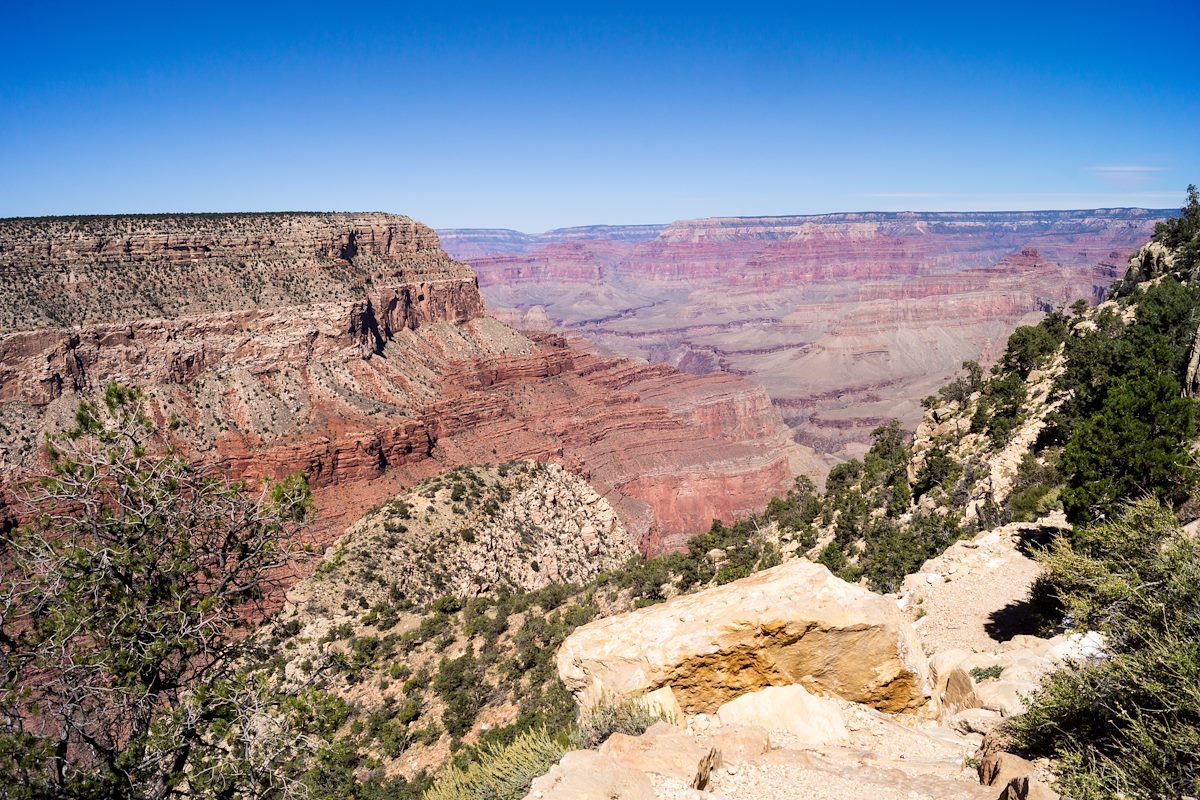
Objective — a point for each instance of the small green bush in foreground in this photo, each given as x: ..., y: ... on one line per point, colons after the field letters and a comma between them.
x: 1129, y: 724
x: 503, y: 772
x: 631, y: 717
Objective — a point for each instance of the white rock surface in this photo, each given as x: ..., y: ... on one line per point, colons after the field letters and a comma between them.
x: 808, y: 719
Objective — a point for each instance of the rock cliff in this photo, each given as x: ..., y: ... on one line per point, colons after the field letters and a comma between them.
x: 847, y: 320
x: 350, y: 346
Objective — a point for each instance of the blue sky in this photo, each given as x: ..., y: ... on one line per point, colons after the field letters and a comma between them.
x: 535, y: 116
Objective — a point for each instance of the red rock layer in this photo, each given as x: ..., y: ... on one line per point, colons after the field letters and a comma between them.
x: 395, y: 372
x: 848, y: 320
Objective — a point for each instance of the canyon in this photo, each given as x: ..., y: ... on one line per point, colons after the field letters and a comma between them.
x: 350, y: 346
x: 847, y: 320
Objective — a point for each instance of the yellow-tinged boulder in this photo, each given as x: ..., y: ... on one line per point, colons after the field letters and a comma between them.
x: 793, y: 624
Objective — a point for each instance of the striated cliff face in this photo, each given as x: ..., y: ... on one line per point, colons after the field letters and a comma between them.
x: 847, y: 320
x: 350, y: 346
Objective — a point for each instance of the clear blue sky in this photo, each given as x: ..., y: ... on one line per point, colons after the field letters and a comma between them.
x: 536, y: 116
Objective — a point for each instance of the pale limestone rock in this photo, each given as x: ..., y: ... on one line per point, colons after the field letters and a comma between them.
x: 662, y: 700
x: 588, y: 775
x: 1153, y: 260
x: 975, y: 720
x: 999, y: 768
x: 737, y: 743
x: 842, y: 774
x: 810, y: 720
x: 1028, y: 788
x: 1078, y: 646
x: 1004, y: 696
x: 940, y: 667
x: 1033, y: 644
x: 665, y: 750
x: 794, y: 623
x: 960, y: 691
x: 1023, y: 662
x: 1191, y: 380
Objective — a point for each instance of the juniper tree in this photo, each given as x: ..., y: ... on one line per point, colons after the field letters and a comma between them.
x: 124, y: 608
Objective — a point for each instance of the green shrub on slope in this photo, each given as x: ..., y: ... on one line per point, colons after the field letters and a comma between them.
x: 1128, y: 724
x: 503, y: 772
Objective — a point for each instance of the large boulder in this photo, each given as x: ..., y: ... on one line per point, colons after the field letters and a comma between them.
x: 663, y: 703
x: 810, y: 720
x: 999, y: 768
x: 1028, y: 788
x: 664, y: 750
x: 795, y: 623
x: 588, y: 775
x: 736, y: 744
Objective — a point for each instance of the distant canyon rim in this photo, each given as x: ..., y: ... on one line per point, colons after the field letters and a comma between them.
x: 847, y: 320
x: 351, y: 347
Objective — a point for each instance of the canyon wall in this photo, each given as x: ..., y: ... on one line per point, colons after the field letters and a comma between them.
x: 350, y: 346
x: 847, y: 320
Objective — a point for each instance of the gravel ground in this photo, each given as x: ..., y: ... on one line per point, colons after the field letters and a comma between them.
x: 971, y: 596
x: 791, y: 774
x: 886, y: 758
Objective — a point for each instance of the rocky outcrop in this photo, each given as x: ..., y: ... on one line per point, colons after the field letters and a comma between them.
x: 792, y: 624
x: 848, y: 320
x: 1150, y: 262
x: 947, y: 428
x: 806, y: 718
x: 999, y: 681
x: 351, y: 347
x: 665, y: 750
x: 385, y: 271
x: 588, y: 775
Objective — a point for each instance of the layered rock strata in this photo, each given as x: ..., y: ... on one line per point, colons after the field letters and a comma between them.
x: 351, y: 347
x: 847, y: 320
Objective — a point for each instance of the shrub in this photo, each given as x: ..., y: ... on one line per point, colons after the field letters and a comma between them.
x: 461, y: 685
x: 1182, y: 234
x: 939, y: 470
x: 1035, y: 490
x: 1134, y: 444
x: 961, y: 388
x: 892, y: 551
x: 1128, y: 724
x: 886, y: 461
x: 137, y: 580
x: 1005, y: 396
x: 502, y: 772
x: 987, y: 673
x: 843, y: 476
x: 630, y: 716
x: 1030, y: 345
